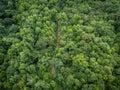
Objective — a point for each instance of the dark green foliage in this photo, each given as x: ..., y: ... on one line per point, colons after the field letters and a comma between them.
x: 59, y: 45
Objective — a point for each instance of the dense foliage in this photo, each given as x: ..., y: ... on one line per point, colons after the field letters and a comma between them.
x: 59, y: 44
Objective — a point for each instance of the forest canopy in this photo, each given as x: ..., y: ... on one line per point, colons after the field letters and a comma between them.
x: 59, y: 44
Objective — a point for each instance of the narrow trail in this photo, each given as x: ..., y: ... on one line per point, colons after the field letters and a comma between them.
x: 52, y: 62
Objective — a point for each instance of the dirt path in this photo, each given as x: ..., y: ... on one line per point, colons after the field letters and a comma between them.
x: 52, y: 62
